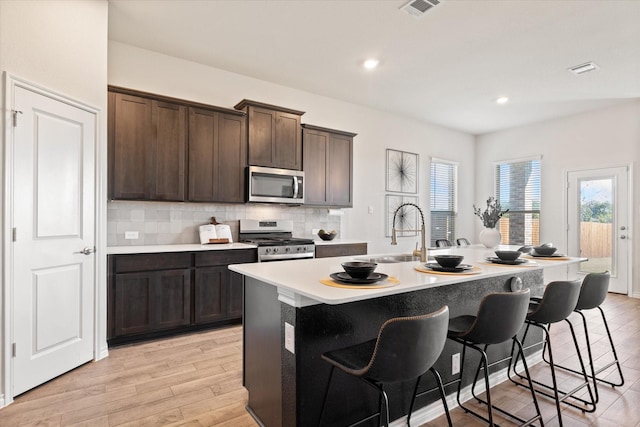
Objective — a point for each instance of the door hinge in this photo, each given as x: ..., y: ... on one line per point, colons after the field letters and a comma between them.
x: 13, y: 350
x: 14, y: 233
x: 15, y: 117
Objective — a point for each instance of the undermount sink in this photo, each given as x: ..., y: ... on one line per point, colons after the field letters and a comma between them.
x: 388, y: 259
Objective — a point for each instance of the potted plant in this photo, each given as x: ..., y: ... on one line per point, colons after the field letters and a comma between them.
x: 490, y: 236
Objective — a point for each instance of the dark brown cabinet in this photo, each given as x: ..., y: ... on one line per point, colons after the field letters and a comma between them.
x: 273, y: 135
x: 147, y: 148
x: 149, y: 292
x: 340, y: 249
x: 218, y: 290
x: 164, y: 293
x: 169, y: 149
x: 328, y: 166
x: 217, y: 156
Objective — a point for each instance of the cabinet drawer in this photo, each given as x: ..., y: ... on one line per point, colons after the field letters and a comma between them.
x: 347, y: 249
x: 234, y: 256
x: 145, y: 262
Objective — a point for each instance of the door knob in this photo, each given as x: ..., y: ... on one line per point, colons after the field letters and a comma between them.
x: 623, y: 237
x: 87, y: 251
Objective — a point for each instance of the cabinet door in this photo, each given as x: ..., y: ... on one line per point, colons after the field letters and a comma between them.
x: 209, y: 305
x: 131, y: 140
x: 262, y: 134
x: 340, y: 166
x: 315, y: 146
x: 232, y: 159
x: 168, y: 152
x: 172, y: 299
x: 133, y: 308
x: 287, y: 144
x: 235, y: 295
x: 203, y: 129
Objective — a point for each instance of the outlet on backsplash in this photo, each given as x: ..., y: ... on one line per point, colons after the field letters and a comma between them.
x: 129, y: 235
x: 315, y: 230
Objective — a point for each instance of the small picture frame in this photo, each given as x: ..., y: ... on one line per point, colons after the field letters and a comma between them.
x: 402, y: 172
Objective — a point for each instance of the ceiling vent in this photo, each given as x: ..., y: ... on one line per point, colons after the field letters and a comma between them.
x: 584, y: 68
x: 417, y: 8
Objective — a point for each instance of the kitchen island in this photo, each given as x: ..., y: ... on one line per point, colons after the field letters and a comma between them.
x: 291, y: 318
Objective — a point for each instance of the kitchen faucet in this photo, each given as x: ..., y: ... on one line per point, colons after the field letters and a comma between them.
x: 423, y: 250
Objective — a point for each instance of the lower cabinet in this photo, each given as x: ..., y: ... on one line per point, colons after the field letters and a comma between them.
x: 152, y: 295
x: 218, y: 295
x: 151, y: 301
x: 341, y: 249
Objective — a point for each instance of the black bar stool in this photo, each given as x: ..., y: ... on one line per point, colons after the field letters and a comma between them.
x: 557, y: 303
x: 463, y: 241
x: 592, y: 294
x: 499, y: 318
x: 406, y: 348
x: 443, y: 243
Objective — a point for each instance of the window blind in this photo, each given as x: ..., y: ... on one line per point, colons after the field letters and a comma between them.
x: 444, y: 182
x: 518, y: 189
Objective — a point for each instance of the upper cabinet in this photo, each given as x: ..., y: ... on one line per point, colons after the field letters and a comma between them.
x: 147, y: 145
x: 217, y: 156
x: 273, y: 135
x: 155, y: 140
x: 328, y: 166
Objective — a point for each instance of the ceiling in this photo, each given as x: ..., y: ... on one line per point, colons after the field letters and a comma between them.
x: 446, y: 68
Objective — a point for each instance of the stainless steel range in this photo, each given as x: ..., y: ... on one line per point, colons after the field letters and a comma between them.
x: 275, y: 240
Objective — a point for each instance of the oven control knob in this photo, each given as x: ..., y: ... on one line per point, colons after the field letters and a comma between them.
x: 267, y: 250
x: 275, y: 250
x: 287, y: 249
x: 299, y: 248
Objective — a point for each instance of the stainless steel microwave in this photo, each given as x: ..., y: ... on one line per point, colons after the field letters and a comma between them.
x: 271, y: 185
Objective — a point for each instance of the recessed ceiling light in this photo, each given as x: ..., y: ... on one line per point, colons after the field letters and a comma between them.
x: 371, y: 63
x: 583, y: 68
x: 502, y: 100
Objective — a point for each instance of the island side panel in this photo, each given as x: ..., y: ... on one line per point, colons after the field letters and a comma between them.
x: 320, y: 328
x: 262, y: 351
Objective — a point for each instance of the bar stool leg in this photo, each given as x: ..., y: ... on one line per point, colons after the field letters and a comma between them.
x: 483, y: 362
x: 326, y: 394
x: 443, y: 396
x: 595, y: 372
x: 613, y: 350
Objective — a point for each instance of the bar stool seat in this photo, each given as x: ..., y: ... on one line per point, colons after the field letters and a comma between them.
x: 557, y: 303
x: 499, y: 318
x: 593, y: 292
x: 405, y: 349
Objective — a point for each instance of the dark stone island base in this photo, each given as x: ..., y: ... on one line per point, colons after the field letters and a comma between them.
x: 286, y: 389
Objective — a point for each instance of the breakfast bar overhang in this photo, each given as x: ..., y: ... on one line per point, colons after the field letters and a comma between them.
x: 291, y: 318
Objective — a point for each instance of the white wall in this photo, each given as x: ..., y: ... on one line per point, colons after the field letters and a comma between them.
x: 152, y: 72
x: 596, y: 139
x: 62, y: 46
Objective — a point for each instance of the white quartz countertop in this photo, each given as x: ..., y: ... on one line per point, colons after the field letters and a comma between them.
x: 149, y: 249
x: 298, y: 282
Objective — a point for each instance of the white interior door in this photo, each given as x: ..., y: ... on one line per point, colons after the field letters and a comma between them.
x: 53, y: 216
x: 597, y: 209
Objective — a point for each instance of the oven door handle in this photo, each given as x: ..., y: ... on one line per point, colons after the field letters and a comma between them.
x: 279, y: 257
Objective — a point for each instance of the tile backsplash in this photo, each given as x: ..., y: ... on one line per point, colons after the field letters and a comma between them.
x: 165, y: 223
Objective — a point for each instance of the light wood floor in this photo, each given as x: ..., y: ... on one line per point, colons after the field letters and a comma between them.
x: 195, y: 380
